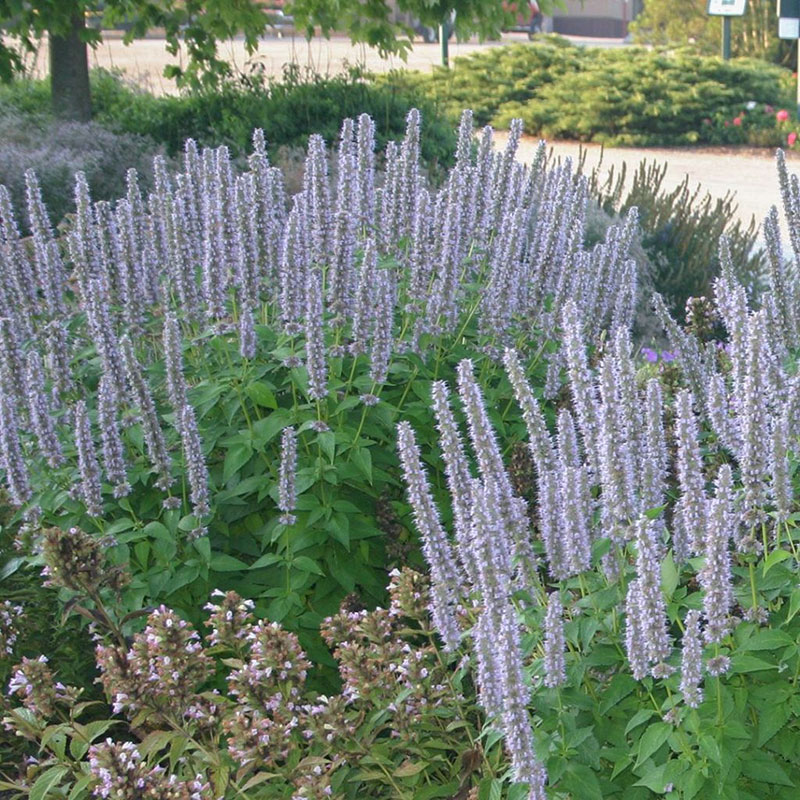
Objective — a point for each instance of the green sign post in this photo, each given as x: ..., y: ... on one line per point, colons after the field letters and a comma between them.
x: 726, y: 9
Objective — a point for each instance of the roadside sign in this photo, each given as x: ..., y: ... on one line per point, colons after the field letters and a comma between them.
x: 789, y: 19
x: 727, y: 8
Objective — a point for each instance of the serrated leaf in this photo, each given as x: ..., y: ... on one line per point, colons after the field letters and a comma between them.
x: 669, y: 576
x: 362, y: 458
x: 267, y: 560
x: 794, y: 604
x: 306, y: 564
x: 236, y: 457
x: 437, y: 790
x: 692, y: 784
x: 768, y: 640
x: 651, y: 740
x: 47, y: 781
x: 490, y: 789
x: 259, y: 778
x: 261, y: 395
x: 770, y: 720
x: 581, y: 782
x: 758, y: 766
x: 81, y: 785
x: 620, y: 687
x: 653, y: 779
x: 745, y: 663
x: 709, y: 747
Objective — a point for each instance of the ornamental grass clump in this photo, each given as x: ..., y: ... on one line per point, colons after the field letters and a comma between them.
x: 157, y: 350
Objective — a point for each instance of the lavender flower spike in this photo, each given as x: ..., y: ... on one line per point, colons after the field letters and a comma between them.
x: 459, y: 479
x: 39, y: 411
x: 113, y: 448
x: 652, y: 608
x: 445, y: 575
x: 11, y: 452
x: 315, y: 338
x: 689, y: 513
x: 151, y: 428
x: 173, y: 359
x: 287, y: 490
x: 715, y: 577
x: 87, y: 462
x: 197, y: 472
x: 692, y: 661
x: 554, y: 669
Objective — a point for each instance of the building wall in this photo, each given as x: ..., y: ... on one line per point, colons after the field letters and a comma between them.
x: 601, y: 18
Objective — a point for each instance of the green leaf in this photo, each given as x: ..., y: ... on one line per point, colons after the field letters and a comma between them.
x: 642, y: 715
x: 759, y: 766
x: 261, y: 395
x: 775, y: 557
x: 669, y: 576
x: 436, y: 790
x: 203, y: 547
x: 267, y: 560
x: 490, y: 789
x: 744, y: 663
x: 410, y: 768
x: 306, y: 564
x: 222, y: 562
x: 362, y: 458
x: 794, y: 604
x: 653, y: 779
x: 46, y: 781
x: 581, y: 782
x: 692, y: 784
x: 236, y: 457
x: 709, y: 747
x: 651, y: 740
x: 80, y: 786
x: 621, y: 686
x: 327, y: 443
x: 770, y: 720
x: 768, y: 640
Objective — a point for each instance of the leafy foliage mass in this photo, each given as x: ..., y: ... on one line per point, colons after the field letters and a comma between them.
x: 200, y: 391
x: 626, y: 96
x: 686, y: 23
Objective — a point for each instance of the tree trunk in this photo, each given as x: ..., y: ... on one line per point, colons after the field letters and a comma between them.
x: 69, y: 73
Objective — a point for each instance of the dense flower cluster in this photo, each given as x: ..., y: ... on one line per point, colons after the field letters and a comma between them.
x: 38, y: 690
x: 123, y: 775
x: 213, y: 246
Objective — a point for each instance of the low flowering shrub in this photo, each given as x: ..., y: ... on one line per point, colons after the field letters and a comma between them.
x: 230, y: 714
